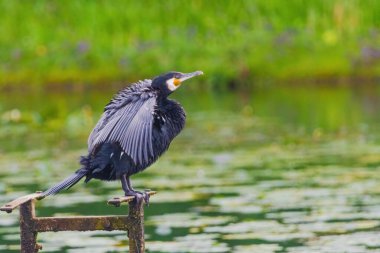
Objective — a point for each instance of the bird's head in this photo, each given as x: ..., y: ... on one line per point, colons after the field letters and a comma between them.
x: 169, y: 82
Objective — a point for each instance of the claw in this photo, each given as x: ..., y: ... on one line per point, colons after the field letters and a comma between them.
x: 129, y: 191
x: 146, y: 197
x: 139, y: 196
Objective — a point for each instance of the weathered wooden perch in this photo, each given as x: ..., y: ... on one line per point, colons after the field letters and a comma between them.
x: 30, y: 225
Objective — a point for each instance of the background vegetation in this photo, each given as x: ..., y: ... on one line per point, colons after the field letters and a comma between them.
x: 234, y: 42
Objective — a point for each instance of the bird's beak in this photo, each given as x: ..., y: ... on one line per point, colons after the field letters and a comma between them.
x: 184, y: 77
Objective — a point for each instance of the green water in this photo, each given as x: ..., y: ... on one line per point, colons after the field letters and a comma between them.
x: 284, y: 169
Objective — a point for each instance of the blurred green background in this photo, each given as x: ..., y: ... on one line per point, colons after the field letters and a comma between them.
x: 234, y: 42
x: 281, y: 150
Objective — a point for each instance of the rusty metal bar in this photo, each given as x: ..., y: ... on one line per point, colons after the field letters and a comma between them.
x: 30, y: 225
x: 136, y: 230
x: 81, y: 223
x: 27, y: 233
x: 117, y: 201
x: 9, y: 207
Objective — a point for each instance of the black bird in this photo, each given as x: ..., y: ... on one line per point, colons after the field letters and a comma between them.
x: 136, y: 128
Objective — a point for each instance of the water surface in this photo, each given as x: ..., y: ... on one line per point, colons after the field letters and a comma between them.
x: 284, y: 169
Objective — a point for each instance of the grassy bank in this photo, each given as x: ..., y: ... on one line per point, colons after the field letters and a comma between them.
x: 77, y: 41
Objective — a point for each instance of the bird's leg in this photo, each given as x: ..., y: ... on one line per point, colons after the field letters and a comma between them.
x: 124, y: 184
x: 146, y: 196
x: 130, y: 185
x: 129, y: 191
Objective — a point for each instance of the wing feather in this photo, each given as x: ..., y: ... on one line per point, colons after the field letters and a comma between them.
x: 130, y: 126
x: 141, y: 124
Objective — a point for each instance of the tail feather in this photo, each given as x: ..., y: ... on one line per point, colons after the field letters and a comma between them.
x: 66, y: 183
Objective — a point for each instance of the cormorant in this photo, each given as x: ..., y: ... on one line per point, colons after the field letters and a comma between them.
x: 136, y: 128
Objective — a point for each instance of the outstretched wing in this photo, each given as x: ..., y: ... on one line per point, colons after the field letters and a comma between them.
x: 130, y: 126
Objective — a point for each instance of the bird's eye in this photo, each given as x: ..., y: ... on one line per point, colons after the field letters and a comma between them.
x: 173, y: 83
x: 176, y: 82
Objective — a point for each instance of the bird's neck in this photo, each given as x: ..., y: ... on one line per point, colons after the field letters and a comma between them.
x: 162, y: 99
